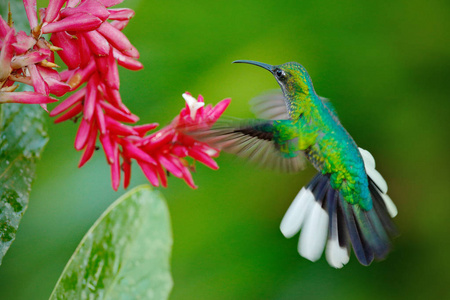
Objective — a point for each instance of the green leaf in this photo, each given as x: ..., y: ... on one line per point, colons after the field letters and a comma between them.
x: 125, y: 254
x: 22, y: 138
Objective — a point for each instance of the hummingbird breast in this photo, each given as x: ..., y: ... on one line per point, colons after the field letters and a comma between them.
x: 332, y: 151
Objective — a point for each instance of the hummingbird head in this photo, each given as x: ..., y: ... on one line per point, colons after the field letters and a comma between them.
x: 292, y: 77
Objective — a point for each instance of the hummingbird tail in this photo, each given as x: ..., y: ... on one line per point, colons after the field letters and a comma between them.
x: 326, y: 219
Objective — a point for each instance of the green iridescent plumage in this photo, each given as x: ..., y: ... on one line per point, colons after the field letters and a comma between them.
x: 318, y: 133
x: 347, y: 201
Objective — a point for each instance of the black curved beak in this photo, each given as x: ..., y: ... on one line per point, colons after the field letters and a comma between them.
x: 268, y: 67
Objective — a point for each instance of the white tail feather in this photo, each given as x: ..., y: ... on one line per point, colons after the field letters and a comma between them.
x: 314, y: 233
x: 337, y: 256
x: 391, y: 208
x: 369, y: 164
x: 369, y: 161
x: 307, y: 214
x: 293, y: 219
x: 378, y: 179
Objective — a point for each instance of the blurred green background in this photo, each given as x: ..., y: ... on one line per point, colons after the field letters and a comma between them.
x: 386, y: 68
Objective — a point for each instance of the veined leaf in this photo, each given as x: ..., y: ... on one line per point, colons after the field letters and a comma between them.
x: 125, y: 254
x: 22, y: 138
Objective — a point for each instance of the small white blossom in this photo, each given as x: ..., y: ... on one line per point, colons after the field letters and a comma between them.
x: 193, y: 104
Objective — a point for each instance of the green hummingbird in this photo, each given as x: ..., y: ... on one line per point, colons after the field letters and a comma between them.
x: 346, y: 204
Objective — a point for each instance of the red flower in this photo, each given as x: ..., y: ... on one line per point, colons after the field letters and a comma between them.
x: 162, y: 151
x: 26, y: 60
x: 92, y: 48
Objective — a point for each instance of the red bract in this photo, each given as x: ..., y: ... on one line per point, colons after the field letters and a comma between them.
x: 157, y: 153
x: 26, y: 60
x: 92, y: 48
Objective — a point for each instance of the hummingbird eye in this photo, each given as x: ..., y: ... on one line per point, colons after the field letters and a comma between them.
x: 280, y: 74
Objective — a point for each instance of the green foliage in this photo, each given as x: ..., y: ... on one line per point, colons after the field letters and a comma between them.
x: 22, y: 138
x: 125, y: 254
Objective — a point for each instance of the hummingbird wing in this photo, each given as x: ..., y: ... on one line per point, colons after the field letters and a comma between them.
x: 272, y: 106
x: 263, y: 142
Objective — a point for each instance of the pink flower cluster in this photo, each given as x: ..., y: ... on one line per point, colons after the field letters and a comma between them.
x: 156, y: 153
x: 87, y: 36
x: 30, y: 61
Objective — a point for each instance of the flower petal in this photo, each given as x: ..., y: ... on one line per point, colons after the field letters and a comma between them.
x: 149, y: 172
x: 90, y: 146
x: 92, y: 7
x: 109, y: 3
x: 52, y: 10
x: 117, y: 39
x: 6, y: 54
x: 77, y: 22
x: 72, y: 3
x: 112, y: 75
x: 100, y: 117
x: 57, y: 87
x: 120, y: 115
x: 136, y: 153
x: 23, y: 43
x: 85, y: 51
x: 30, y: 9
x: 126, y: 168
x: 158, y: 139
x: 71, y: 53
x: 115, y: 169
x: 119, y: 128
x: 167, y: 162
x: 113, y: 97
x: 4, y: 28
x: 30, y: 58
x: 91, y: 97
x: 187, y: 176
x: 162, y: 175
x: 97, y: 43
x: 82, y: 134
x: 71, y: 113
x: 80, y: 76
x: 126, y: 61
x: 107, y: 147
x: 121, y: 14
x: 203, y: 158
x: 120, y: 25
x: 39, y: 84
x: 218, y: 110
x: 71, y: 100
x: 25, y: 98
x: 192, y: 104
x: 143, y: 129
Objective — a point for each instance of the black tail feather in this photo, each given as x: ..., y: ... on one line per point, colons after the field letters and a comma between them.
x: 368, y: 232
x: 360, y: 246
x: 381, y: 210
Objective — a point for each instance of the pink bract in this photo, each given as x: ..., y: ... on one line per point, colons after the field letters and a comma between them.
x: 92, y: 47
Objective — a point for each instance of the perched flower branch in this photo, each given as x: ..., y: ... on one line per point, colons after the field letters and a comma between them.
x: 87, y: 36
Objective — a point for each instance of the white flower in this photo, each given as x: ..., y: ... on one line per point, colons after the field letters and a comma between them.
x: 193, y: 104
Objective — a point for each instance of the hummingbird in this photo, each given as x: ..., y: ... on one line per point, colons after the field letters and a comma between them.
x: 346, y: 204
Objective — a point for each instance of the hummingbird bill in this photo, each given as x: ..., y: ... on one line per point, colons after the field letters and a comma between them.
x: 345, y: 206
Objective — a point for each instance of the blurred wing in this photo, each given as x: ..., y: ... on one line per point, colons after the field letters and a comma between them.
x: 270, y: 106
x: 254, y: 140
